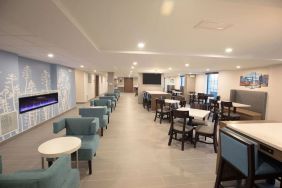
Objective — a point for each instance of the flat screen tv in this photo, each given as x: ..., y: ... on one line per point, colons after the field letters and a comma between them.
x: 150, y: 78
x: 37, y: 101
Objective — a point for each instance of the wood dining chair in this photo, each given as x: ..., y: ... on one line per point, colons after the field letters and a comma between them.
x: 162, y: 111
x: 207, y: 130
x: 244, y: 161
x: 179, y: 125
x: 227, y: 113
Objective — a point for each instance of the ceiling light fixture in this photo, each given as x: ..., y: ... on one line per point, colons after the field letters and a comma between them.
x: 81, y: 66
x: 169, y: 68
x: 50, y: 55
x: 208, y: 69
x: 167, y: 7
x: 141, y: 45
x: 132, y: 67
x: 228, y: 50
x: 95, y: 71
x: 135, y: 63
x: 186, y: 65
x: 238, y: 66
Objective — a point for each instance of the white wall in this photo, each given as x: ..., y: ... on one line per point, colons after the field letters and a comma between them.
x: 84, y: 90
x: 201, y: 83
x: 103, y: 84
x: 231, y: 80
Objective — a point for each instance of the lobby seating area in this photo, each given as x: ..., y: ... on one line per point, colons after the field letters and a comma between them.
x: 140, y: 94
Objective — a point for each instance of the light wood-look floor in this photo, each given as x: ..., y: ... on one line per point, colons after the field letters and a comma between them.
x: 132, y: 153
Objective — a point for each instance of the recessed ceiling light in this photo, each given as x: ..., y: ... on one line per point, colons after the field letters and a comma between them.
x: 95, y: 71
x: 167, y: 7
x: 207, y: 69
x: 141, y: 45
x: 228, y: 50
x: 238, y: 66
x: 132, y: 67
x: 169, y: 68
x: 81, y: 66
x: 135, y: 63
x: 50, y: 55
x: 186, y: 65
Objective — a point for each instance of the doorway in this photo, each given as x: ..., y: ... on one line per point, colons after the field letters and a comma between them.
x: 128, y: 85
x: 96, y: 85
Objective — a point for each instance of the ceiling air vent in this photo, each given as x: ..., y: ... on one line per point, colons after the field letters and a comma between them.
x: 212, y: 25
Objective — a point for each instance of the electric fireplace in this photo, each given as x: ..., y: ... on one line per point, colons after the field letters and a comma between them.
x: 37, y: 101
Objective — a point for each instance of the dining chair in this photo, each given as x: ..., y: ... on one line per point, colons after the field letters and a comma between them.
x: 146, y: 100
x: 241, y: 155
x: 208, y: 130
x: 162, y: 110
x: 227, y: 113
x: 179, y: 126
x: 213, y: 107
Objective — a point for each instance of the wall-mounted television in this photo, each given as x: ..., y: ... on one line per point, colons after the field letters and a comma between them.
x: 151, y: 78
x: 37, y: 101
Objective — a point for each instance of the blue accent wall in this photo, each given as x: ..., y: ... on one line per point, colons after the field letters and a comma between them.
x: 21, y: 76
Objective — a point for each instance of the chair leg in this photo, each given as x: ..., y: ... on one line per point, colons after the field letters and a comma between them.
x: 108, y: 119
x: 90, y: 166
x: 156, y: 116
x: 219, y: 173
x: 215, y: 144
x: 170, y: 138
x: 102, y: 131
x: 161, y: 118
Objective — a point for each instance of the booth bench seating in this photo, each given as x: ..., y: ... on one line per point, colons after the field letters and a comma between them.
x: 59, y: 175
x: 86, y: 129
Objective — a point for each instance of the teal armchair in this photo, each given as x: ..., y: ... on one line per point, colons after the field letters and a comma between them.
x: 86, y: 129
x: 102, y: 102
x: 116, y: 95
x: 112, y: 98
x: 98, y: 112
x: 59, y: 175
x: 117, y: 91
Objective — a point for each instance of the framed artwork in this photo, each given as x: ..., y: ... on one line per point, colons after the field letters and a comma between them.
x: 254, y: 80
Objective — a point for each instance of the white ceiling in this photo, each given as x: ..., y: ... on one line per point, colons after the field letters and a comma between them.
x: 103, y: 35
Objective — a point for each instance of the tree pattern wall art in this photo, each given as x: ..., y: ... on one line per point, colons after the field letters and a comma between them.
x: 24, y: 77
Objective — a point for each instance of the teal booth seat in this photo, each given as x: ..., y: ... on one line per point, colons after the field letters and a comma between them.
x: 102, y: 102
x: 112, y: 98
x: 98, y: 112
x: 86, y: 129
x: 59, y: 175
x: 116, y: 95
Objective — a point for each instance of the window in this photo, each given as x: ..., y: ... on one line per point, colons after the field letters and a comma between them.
x: 182, y: 81
x: 212, y: 83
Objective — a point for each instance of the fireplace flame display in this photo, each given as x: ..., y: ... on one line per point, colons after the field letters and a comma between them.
x: 37, y: 101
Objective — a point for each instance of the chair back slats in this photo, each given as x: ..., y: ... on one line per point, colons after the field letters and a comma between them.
x: 179, y: 114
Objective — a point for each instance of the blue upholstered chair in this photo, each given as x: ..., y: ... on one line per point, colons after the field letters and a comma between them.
x: 86, y: 129
x: 242, y: 154
x: 117, y: 91
x: 112, y: 98
x: 59, y: 175
x: 102, y: 102
x: 116, y: 95
x: 98, y: 112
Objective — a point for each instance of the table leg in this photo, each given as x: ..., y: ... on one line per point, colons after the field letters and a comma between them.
x: 42, y: 162
x: 76, y: 159
x: 234, y: 110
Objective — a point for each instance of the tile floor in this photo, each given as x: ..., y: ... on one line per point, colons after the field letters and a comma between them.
x: 132, y: 153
